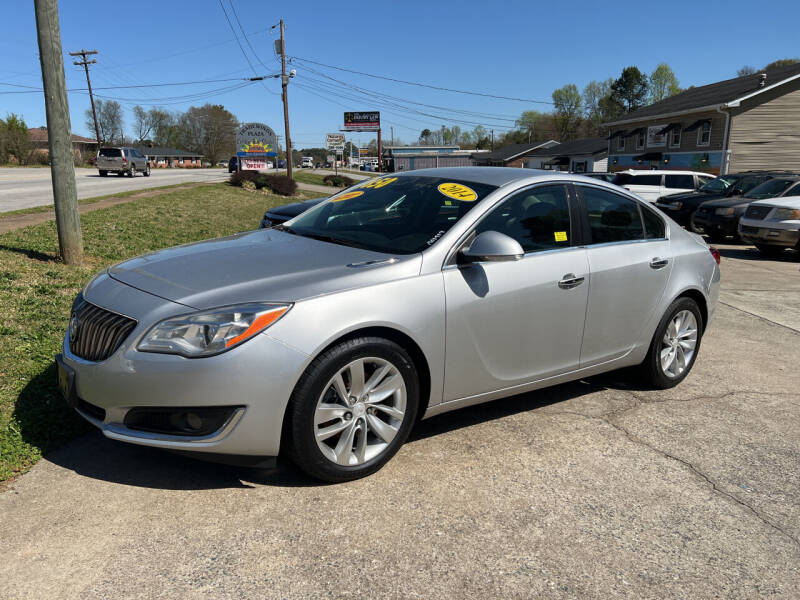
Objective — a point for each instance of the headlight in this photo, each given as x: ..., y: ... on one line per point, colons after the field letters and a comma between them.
x: 678, y: 205
x: 724, y: 211
x: 787, y: 214
x: 211, y: 332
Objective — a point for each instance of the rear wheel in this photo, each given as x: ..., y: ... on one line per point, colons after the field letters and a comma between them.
x: 674, y: 346
x: 352, y: 409
x: 770, y: 250
x: 147, y: 171
x: 132, y: 171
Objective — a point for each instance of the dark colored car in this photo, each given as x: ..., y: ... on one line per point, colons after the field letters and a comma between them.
x: 681, y: 207
x: 720, y: 218
x: 233, y: 164
x: 601, y: 176
x: 281, y: 214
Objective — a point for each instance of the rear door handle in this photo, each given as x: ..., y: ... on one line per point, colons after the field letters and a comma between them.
x: 569, y: 281
x: 659, y: 263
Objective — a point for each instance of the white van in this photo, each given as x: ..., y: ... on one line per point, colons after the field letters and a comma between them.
x: 651, y: 185
x: 307, y: 162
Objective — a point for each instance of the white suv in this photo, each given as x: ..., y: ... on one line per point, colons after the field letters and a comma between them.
x: 651, y: 185
x: 772, y: 225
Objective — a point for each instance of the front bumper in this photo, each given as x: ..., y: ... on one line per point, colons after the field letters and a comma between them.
x: 712, y: 223
x: 257, y: 377
x: 770, y: 236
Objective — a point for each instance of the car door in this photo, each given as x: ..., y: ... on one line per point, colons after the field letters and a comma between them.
x: 629, y: 263
x: 508, y: 323
x: 647, y: 186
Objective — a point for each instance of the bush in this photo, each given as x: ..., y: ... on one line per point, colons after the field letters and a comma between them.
x: 337, y: 180
x: 277, y: 184
x: 239, y: 177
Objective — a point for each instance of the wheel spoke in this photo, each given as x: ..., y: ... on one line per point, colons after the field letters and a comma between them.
x: 328, y: 412
x: 341, y: 389
x: 331, y: 430
x: 357, y: 378
x: 361, y: 449
x: 386, y: 389
x: 344, y: 448
x: 389, y: 410
x: 377, y: 377
x: 680, y: 359
x: 383, y: 430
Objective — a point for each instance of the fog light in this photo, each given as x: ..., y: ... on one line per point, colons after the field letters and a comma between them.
x: 194, y: 421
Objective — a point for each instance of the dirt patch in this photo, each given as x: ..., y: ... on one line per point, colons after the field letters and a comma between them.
x: 19, y: 221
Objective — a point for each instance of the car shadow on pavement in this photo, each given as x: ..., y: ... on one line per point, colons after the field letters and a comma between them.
x: 95, y: 456
x: 751, y: 253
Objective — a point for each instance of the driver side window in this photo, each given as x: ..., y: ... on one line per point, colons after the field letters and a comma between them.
x: 538, y: 218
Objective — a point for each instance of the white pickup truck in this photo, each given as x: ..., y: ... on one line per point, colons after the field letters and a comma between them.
x: 307, y: 162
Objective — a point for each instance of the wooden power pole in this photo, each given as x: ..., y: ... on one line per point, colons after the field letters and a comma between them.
x: 85, y: 64
x: 285, y: 96
x: 59, y: 134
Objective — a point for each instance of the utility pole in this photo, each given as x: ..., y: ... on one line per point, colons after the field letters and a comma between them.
x: 59, y: 134
x: 392, y: 128
x: 285, y: 96
x: 492, y: 140
x: 85, y: 64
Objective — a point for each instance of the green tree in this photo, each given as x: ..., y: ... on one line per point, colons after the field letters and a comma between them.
x: 595, y: 105
x: 425, y: 136
x: 782, y: 62
x: 533, y: 124
x: 567, y: 105
x: 663, y: 83
x: 629, y: 90
x: 209, y: 129
x: 17, y: 138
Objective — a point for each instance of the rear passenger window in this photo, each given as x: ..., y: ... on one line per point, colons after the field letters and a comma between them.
x: 537, y: 218
x: 646, y: 180
x: 685, y: 182
x: 612, y: 218
x: 654, y: 228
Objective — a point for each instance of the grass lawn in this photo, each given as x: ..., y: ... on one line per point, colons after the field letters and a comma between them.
x: 306, y: 177
x: 36, y: 292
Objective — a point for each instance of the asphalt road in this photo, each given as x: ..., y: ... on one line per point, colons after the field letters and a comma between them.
x: 594, y: 489
x: 26, y: 188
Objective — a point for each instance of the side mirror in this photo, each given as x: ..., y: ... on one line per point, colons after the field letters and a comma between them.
x: 492, y: 246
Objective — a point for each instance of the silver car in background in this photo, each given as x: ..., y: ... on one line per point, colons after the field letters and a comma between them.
x: 400, y: 298
x: 122, y: 161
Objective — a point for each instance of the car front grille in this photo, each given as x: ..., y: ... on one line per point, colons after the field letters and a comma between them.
x: 95, y: 333
x: 748, y: 229
x: 757, y: 212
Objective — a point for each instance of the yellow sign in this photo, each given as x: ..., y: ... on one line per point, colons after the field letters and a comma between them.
x: 347, y: 196
x: 561, y: 236
x: 374, y: 184
x: 456, y: 191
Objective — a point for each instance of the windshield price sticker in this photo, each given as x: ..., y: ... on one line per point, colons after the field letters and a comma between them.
x: 456, y: 191
x: 347, y: 196
x: 375, y: 184
x: 561, y: 236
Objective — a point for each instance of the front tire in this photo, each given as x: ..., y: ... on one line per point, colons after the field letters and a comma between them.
x: 103, y: 173
x: 674, y: 346
x: 352, y: 409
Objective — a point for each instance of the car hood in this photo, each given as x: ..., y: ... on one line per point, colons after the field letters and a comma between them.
x: 727, y: 202
x: 785, y: 202
x: 258, y: 266
x: 681, y: 196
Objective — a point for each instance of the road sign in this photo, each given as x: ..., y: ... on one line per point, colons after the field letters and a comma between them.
x: 256, y: 140
x: 335, y: 141
x: 362, y: 121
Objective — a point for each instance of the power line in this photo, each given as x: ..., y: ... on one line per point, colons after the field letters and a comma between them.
x: 244, y: 35
x: 239, y: 43
x: 425, y: 85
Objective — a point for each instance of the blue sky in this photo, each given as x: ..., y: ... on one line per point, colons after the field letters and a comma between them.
x: 517, y: 49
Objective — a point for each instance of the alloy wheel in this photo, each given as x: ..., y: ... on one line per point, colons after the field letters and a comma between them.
x: 360, y: 411
x: 678, y: 344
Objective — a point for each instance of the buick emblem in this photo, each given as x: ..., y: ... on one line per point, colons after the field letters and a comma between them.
x: 73, y: 328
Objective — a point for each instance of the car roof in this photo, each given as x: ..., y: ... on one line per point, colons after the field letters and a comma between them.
x: 663, y: 172
x: 497, y: 176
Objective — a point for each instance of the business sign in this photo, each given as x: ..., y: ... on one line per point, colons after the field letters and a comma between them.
x: 335, y: 141
x: 363, y: 151
x: 255, y: 164
x: 362, y: 121
x: 654, y: 139
x: 256, y: 140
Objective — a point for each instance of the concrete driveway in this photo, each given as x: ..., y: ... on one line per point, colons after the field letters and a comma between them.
x: 25, y: 188
x: 595, y: 489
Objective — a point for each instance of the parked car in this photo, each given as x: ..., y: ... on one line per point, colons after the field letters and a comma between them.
x: 419, y: 293
x: 307, y: 162
x: 772, y: 225
x: 651, y: 185
x: 122, y: 161
x: 720, y: 218
x: 222, y: 163
x: 601, y: 176
x: 233, y: 164
x: 281, y: 214
x: 681, y: 207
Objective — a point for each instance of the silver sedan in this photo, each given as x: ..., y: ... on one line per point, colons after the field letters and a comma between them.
x: 400, y: 298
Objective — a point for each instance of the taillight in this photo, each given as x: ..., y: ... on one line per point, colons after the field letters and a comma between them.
x: 124, y: 160
x: 714, y: 253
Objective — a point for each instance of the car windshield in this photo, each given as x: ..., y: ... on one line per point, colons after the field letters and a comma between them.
x: 395, y: 215
x: 769, y: 189
x: 110, y: 152
x: 720, y: 184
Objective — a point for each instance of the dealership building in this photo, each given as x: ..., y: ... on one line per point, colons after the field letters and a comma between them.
x: 408, y: 158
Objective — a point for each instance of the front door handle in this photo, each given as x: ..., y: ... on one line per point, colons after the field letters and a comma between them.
x: 569, y: 281
x: 659, y: 263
